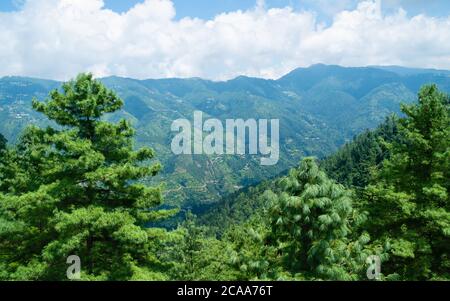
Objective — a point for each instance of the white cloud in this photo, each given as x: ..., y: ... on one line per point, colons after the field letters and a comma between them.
x: 59, y: 38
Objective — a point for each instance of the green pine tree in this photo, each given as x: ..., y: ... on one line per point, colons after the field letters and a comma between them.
x: 76, y: 189
x: 250, y: 254
x: 408, y: 200
x: 191, y: 254
x: 2, y: 142
x: 188, y: 249
x: 311, y: 224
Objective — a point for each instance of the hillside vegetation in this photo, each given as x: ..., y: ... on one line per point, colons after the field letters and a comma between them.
x: 79, y: 186
x: 320, y: 108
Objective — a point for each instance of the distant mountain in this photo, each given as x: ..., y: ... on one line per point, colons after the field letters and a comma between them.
x: 412, y: 71
x: 320, y: 108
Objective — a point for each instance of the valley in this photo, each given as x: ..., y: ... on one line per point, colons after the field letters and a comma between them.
x: 319, y: 108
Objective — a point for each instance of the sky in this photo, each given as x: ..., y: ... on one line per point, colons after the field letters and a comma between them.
x: 217, y: 39
x: 207, y: 9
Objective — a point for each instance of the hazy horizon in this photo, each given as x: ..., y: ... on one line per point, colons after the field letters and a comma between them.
x: 379, y: 67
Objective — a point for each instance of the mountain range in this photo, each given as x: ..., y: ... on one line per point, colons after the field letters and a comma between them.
x: 319, y: 108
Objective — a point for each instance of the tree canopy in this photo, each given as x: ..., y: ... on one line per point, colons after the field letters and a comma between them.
x: 408, y: 199
x: 81, y: 187
x: 77, y: 190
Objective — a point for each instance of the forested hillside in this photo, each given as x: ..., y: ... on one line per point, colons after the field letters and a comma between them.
x: 354, y: 163
x: 319, y: 108
x: 352, y: 166
x: 80, y: 186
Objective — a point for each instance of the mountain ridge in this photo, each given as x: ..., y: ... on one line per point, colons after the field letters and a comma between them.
x: 320, y: 108
x: 396, y: 69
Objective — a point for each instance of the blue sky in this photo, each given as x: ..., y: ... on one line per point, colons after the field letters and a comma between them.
x: 207, y: 9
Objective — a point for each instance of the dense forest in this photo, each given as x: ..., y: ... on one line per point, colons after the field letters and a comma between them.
x: 79, y: 186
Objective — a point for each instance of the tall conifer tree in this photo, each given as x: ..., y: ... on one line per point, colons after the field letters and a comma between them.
x: 77, y: 190
x: 409, y: 199
x: 311, y: 223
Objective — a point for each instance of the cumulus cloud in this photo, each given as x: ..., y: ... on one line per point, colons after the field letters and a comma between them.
x: 59, y: 38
